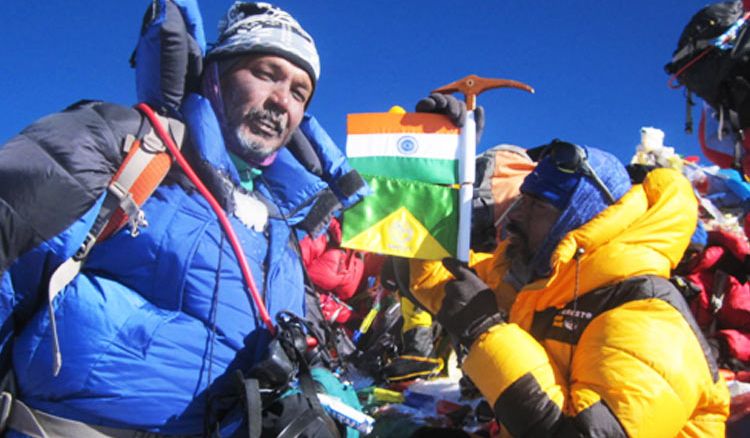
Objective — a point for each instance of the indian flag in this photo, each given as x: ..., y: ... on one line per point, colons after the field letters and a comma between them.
x: 410, y: 162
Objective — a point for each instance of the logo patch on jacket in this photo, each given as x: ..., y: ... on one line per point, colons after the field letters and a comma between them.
x: 571, y: 319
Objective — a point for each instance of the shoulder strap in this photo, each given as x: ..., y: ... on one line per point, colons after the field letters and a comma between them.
x: 143, y: 169
x: 141, y: 172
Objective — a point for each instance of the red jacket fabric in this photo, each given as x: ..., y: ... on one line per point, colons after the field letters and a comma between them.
x: 722, y: 306
x: 332, y: 268
x: 336, y: 272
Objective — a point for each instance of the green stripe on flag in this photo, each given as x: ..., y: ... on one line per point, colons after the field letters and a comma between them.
x: 429, y: 170
x: 435, y: 207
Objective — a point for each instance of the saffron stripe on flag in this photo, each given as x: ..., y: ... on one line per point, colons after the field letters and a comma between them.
x: 415, y: 146
x: 415, y: 123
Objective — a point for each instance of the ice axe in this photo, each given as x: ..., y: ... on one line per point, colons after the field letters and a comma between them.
x: 471, y: 86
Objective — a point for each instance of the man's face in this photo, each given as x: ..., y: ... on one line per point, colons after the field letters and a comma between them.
x: 529, y: 222
x: 264, y: 101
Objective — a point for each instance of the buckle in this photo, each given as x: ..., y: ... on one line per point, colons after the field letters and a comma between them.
x: 85, y: 248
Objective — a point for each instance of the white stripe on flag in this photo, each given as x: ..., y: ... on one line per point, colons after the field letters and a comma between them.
x: 441, y: 146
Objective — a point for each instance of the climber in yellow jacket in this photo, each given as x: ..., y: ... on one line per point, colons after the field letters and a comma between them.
x: 597, y: 342
x: 500, y: 171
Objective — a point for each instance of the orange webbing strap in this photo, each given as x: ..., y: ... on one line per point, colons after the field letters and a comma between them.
x: 140, y: 174
x: 143, y: 169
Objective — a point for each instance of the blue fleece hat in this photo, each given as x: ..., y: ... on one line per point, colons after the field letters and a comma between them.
x: 549, y: 183
x: 578, y: 197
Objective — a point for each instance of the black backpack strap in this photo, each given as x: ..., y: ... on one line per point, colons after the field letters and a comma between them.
x: 309, y: 390
x: 291, y: 327
x: 301, y: 424
x: 253, y: 404
x: 323, y: 208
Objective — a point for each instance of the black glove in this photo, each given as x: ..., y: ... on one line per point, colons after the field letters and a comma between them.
x: 469, y: 307
x: 455, y: 109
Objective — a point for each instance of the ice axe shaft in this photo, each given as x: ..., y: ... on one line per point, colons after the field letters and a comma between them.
x: 471, y: 86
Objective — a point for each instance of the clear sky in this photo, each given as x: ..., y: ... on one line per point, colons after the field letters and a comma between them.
x: 597, y: 66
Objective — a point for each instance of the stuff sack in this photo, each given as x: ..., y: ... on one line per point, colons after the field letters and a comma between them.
x: 715, y: 71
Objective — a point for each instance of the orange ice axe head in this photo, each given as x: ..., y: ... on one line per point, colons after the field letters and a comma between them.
x: 471, y: 86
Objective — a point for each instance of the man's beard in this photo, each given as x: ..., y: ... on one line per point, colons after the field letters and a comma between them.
x: 251, y: 145
x: 517, y: 252
x: 519, y: 258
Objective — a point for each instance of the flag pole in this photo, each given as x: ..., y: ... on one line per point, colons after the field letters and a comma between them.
x: 471, y: 86
x: 466, y: 174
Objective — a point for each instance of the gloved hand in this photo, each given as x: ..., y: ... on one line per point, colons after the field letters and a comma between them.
x: 469, y: 307
x: 455, y: 109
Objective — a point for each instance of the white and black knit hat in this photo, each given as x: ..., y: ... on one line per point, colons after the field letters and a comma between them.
x: 264, y: 28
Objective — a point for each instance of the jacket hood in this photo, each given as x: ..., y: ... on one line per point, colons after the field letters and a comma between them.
x: 644, y: 233
x: 578, y: 196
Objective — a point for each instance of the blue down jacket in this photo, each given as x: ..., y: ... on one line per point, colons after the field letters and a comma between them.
x: 154, y: 325
x: 153, y: 322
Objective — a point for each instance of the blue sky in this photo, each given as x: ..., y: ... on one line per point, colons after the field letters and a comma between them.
x: 597, y: 66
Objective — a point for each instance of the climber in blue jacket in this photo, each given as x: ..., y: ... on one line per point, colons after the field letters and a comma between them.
x: 159, y: 316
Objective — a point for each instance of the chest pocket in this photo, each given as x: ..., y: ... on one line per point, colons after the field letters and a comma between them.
x: 567, y: 324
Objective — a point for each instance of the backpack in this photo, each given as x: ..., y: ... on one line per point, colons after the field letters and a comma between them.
x: 291, y: 392
x: 145, y: 165
x: 499, y: 173
x: 717, y: 71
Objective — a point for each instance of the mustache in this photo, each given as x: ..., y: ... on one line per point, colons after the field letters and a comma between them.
x: 275, y: 119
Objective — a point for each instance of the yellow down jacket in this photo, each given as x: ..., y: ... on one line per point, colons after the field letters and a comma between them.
x: 605, y: 346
